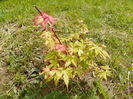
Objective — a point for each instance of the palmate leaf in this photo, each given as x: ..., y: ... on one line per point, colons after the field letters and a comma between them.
x: 66, y: 78
x: 58, y: 76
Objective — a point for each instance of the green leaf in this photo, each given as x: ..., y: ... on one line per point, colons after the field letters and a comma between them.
x: 66, y: 78
x: 80, y: 52
x: 105, y: 67
x: 104, y: 75
x: 105, y: 54
x: 68, y: 63
x: 57, y: 77
x: 74, y: 62
x: 51, y: 55
x: 78, y: 71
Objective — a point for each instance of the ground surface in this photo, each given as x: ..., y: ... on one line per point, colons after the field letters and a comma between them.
x: 110, y: 22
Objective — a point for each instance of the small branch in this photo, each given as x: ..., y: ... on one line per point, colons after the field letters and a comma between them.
x: 38, y: 10
x: 52, y: 29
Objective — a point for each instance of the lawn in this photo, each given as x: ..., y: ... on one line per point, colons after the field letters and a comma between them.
x: 110, y: 22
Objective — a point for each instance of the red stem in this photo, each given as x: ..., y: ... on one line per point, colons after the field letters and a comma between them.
x: 38, y: 10
x: 52, y: 29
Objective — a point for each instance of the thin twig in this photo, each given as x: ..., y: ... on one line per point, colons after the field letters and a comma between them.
x: 38, y: 10
x: 52, y: 29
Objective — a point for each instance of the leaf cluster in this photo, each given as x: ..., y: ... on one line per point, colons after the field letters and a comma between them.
x: 81, y: 56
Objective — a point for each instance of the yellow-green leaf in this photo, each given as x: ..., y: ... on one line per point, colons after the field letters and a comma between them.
x: 66, y: 78
x: 57, y: 77
x: 80, y: 52
x: 68, y: 63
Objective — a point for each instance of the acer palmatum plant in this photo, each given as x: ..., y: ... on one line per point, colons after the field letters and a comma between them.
x: 74, y: 58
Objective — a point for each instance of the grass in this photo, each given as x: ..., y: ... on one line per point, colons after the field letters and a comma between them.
x: 109, y: 21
